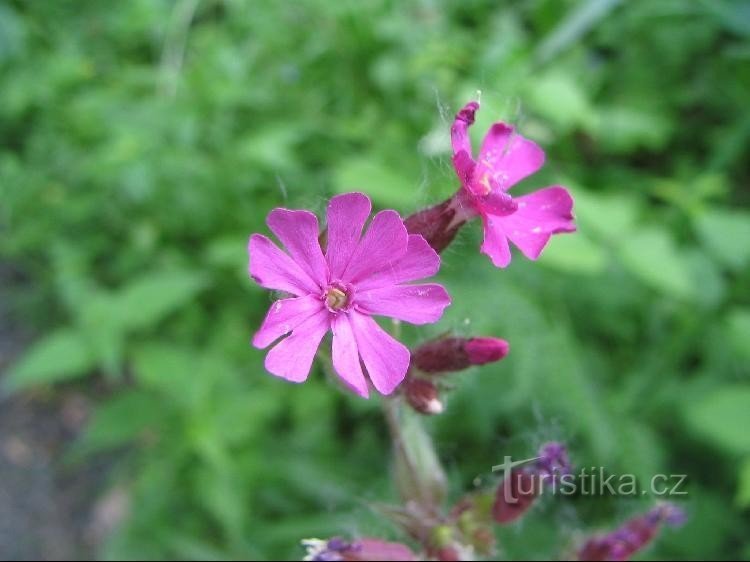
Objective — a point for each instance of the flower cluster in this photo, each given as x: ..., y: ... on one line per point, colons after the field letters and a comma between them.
x: 338, y: 278
x: 359, y: 273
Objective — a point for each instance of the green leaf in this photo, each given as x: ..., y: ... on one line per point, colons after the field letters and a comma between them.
x: 724, y: 417
x: 743, y: 494
x: 726, y: 234
x: 738, y: 332
x: 61, y: 356
x: 149, y: 299
x: 120, y: 420
x: 610, y: 216
x: 561, y: 100
x: 574, y: 254
x: 164, y: 367
x: 387, y: 188
x: 652, y: 256
x: 623, y: 129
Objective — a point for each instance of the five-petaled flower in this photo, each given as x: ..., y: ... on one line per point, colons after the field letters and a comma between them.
x: 506, y: 158
x: 340, y: 290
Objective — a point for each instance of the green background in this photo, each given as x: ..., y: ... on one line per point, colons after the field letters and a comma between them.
x: 141, y: 142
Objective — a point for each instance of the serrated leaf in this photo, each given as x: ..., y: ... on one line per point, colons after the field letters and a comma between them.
x: 723, y: 417
x: 63, y: 355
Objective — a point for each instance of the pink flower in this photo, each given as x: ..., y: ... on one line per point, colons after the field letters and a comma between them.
x: 340, y: 290
x: 506, y: 158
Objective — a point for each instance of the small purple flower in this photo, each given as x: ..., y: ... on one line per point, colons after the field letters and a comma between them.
x: 358, y: 276
x: 553, y: 462
x: 506, y: 158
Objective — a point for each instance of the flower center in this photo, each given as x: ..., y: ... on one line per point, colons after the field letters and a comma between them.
x: 337, y: 297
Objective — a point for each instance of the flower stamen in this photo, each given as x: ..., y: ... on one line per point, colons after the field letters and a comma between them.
x: 336, y: 298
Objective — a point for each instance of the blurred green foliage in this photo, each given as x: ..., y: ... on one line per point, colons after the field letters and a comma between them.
x: 141, y: 142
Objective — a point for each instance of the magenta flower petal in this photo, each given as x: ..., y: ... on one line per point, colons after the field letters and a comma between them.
x: 274, y: 269
x: 540, y: 215
x: 551, y: 208
x: 386, y: 240
x: 386, y: 359
x: 498, y: 202
x: 460, y: 129
x: 346, y: 356
x: 464, y: 165
x: 506, y: 158
x: 284, y: 316
x: 292, y: 357
x: 299, y: 231
x: 347, y: 215
x: 419, y: 261
x: 417, y: 304
x: 495, y: 243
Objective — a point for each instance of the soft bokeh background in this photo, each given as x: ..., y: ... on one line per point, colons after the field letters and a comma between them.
x: 141, y: 142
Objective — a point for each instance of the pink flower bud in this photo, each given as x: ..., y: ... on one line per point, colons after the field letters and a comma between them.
x: 486, y: 350
x: 515, y: 496
x: 423, y: 396
x: 455, y: 354
x: 632, y: 537
x: 521, y: 487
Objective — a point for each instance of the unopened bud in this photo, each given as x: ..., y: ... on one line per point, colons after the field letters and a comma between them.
x: 423, y: 396
x: 455, y: 354
x: 440, y: 223
x: 522, y: 486
x: 486, y: 350
x: 633, y: 536
x: 515, y: 496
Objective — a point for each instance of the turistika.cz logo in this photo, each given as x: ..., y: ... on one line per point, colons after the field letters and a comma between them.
x: 588, y: 481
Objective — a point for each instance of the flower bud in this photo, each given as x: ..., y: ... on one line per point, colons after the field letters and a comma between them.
x: 423, y: 396
x: 515, y: 496
x: 455, y: 354
x: 440, y: 223
x: 481, y: 351
x: 633, y: 536
x: 521, y: 486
